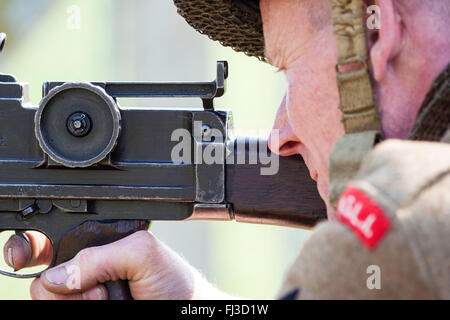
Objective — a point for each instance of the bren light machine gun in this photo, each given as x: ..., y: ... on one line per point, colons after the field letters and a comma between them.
x: 85, y: 172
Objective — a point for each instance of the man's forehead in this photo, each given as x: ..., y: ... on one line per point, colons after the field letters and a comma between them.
x: 291, y: 20
x: 317, y: 12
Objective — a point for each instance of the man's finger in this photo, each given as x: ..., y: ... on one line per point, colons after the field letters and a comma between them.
x: 32, y: 249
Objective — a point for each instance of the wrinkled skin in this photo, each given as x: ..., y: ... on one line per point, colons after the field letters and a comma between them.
x: 299, y: 40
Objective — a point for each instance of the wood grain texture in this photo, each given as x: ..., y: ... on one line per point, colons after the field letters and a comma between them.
x: 288, y: 198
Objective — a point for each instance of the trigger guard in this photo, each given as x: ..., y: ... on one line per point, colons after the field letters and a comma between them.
x: 23, y: 276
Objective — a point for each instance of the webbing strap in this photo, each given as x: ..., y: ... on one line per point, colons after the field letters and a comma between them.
x: 347, y: 156
x: 359, y: 112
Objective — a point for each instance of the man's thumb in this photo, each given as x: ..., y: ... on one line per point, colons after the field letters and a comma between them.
x: 94, y: 265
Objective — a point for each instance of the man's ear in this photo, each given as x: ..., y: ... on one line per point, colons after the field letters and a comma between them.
x: 384, y: 42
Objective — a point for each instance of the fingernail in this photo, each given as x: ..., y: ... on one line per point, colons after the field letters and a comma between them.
x: 10, y: 257
x: 56, y: 276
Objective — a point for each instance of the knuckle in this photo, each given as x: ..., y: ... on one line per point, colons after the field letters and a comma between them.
x: 143, y: 246
x: 144, y: 239
x: 83, y: 257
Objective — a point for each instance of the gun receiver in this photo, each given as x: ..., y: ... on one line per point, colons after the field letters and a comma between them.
x: 86, y: 172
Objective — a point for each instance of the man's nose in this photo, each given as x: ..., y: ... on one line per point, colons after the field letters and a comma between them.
x: 282, y: 139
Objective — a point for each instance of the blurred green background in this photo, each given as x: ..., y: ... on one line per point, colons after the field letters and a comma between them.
x: 145, y: 40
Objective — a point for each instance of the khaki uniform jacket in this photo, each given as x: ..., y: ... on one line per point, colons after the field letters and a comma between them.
x: 410, y: 183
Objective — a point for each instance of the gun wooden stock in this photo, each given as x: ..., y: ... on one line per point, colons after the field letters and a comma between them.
x: 288, y: 198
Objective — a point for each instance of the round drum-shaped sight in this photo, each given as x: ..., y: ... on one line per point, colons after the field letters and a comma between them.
x: 77, y: 124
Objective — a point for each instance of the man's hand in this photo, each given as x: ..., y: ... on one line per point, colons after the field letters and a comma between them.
x: 152, y: 269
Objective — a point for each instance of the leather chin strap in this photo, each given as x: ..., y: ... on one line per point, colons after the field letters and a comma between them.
x: 360, y: 115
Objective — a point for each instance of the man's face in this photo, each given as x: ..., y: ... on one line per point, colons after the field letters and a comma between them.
x: 299, y: 40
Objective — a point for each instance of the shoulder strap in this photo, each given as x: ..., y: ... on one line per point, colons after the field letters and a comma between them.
x: 359, y: 112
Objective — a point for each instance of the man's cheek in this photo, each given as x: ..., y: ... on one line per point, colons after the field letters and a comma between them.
x: 302, y: 105
x: 304, y: 124
x: 297, y: 111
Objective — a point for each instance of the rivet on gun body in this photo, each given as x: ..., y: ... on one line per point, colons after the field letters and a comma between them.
x: 206, y: 132
x: 75, y: 203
